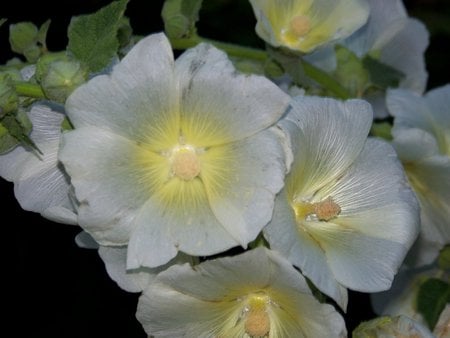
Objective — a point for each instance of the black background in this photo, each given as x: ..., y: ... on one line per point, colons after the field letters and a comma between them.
x: 54, y: 289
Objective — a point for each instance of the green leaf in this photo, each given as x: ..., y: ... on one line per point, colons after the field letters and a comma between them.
x: 180, y: 17
x: 431, y: 299
x: 2, y: 21
x: 381, y: 129
x: 444, y: 258
x: 93, y: 38
x: 380, y: 74
x: 14, y: 130
x: 7, y: 142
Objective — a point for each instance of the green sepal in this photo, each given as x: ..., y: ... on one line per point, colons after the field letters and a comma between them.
x: 444, y: 259
x: 350, y: 71
x: 382, y: 75
x: 59, y: 75
x: 9, y: 99
x: 432, y: 297
x: 2, y: 21
x: 179, y: 17
x: 93, y: 38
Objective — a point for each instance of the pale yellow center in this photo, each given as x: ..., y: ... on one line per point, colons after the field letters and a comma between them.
x: 257, y: 322
x: 324, y: 210
x: 185, y: 163
x: 300, y: 25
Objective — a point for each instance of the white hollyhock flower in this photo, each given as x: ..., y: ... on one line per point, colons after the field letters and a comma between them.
x: 40, y: 183
x: 170, y: 156
x: 422, y: 140
x: 304, y: 25
x: 346, y: 216
x: 394, y: 39
x: 255, y: 294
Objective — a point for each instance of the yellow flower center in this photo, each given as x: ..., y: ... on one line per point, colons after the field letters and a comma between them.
x: 257, y: 321
x: 185, y: 163
x: 324, y: 210
x: 300, y: 25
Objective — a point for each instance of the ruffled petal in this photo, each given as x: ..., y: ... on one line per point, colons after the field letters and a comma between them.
x: 138, y: 100
x: 219, y: 105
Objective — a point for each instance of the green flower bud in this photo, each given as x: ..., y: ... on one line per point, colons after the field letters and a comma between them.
x: 59, y: 76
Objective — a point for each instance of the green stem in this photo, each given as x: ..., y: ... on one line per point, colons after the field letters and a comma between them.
x: 325, y: 80
x: 230, y: 48
x: 316, y: 74
x: 29, y: 89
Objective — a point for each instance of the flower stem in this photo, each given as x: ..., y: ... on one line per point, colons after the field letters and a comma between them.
x: 29, y: 89
x: 316, y: 74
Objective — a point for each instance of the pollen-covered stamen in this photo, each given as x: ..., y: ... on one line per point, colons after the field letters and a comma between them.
x: 257, y: 321
x: 327, y: 209
x: 185, y: 163
x: 323, y: 210
x: 300, y: 25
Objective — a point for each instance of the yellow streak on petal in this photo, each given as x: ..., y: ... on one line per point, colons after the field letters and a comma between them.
x: 203, y: 130
x: 219, y: 170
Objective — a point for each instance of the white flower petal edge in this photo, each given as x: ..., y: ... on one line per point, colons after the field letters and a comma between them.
x: 134, y: 280
x: 335, y: 224
x: 40, y: 183
x: 257, y: 293
x: 422, y: 140
x: 154, y: 171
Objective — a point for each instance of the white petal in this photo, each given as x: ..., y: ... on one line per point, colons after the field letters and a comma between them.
x: 333, y: 135
x: 414, y: 145
x: 302, y: 250
x: 215, y: 97
x: 438, y: 101
x: 106, y: 182
x: 202, y: 301
x: 409, y: 109
x: 134, y: 280
x: 40, y: 183
x: 160, y: 232
x: 136, y: 99
x: 85, y: 241
x: 375, y: 198
x: 406, y: 53
x: 386, y: 17
x: 245, y: 205
x: 360, y: 262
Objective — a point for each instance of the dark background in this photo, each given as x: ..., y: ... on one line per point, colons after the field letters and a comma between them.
x: 52, y: 288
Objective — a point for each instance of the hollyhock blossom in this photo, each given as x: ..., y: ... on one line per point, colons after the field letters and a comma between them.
x: 171, y: 156
x: 346, y: 216
x: 305, y: 25
x: 421, y: 137
x: 255, y: 294
x: 391, y: 37
x: 40, y: 182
